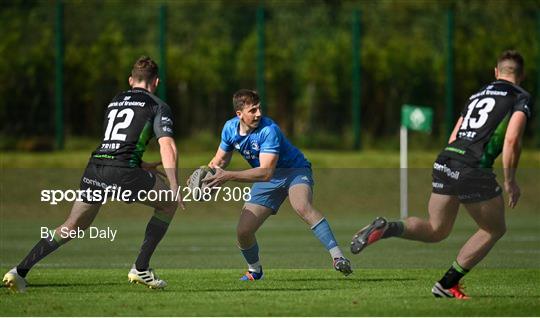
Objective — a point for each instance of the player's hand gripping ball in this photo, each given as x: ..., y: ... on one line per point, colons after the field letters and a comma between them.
x: 195, y: 180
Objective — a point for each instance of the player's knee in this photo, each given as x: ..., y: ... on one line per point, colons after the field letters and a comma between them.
x: 439, y: 234
x: 244, y: 233
x: 303, y: 209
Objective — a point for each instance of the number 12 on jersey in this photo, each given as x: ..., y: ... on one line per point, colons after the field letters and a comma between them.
x: 111, y: 133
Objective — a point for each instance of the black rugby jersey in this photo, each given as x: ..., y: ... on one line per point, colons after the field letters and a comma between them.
x: 132, y: 118
x: 480, y: 138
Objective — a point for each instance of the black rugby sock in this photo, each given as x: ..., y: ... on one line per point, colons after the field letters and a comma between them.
x: 44, y: 247
x: 394, y: 229
x: 453, y: 275
x: 155, y: 230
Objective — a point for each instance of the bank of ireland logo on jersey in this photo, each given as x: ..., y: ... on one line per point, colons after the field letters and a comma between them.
x: 237, y: 146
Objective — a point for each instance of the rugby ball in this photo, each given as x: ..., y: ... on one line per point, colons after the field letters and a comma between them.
x: 195, y: 180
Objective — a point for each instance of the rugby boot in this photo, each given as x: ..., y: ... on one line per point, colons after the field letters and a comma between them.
x: 250, y: 275
x: 452, y: 292
x: 15, y: 282
x: 368, y: 235
x: 147, y: 277
x: 343, y: 265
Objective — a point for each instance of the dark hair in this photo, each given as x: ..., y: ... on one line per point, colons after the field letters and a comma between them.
x: 144, y: 70
x: 515, y: 68
x: 244, y: 97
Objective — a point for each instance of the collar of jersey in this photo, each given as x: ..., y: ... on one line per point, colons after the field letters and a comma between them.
x: 504, y: 81
x: 238, y: 128
x: 139, y: 89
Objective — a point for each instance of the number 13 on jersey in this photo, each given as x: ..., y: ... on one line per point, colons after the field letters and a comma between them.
x: 485, y: 106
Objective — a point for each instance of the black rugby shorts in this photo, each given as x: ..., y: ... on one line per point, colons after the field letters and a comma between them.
x: 469, y: 184
x: 99, y: 177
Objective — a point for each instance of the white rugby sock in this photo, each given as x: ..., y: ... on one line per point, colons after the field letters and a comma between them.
x: 255, y: 267
x: 336, y: 252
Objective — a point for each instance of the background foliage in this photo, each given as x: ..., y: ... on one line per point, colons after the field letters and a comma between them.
x: 211, y: 52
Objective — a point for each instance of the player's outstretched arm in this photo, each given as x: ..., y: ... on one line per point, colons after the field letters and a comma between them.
x: 221, y: 159
x: 265, y: 171
x: 511, y: 153
x: 169, y: 158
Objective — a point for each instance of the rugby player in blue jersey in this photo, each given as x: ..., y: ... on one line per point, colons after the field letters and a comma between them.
x: 278, y: 170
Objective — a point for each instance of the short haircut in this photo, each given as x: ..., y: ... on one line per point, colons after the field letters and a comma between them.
x: 245, y: 97
x: 144, y: 70
x: 510, y: 62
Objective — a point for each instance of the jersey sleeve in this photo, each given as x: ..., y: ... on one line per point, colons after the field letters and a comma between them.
x: 523, y: 104
x: 226, y: 139
x: 163, y: 121
x: 271, y: 140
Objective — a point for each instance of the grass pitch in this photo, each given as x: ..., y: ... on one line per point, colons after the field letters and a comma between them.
x: 199, y: 259
x: 284, y: 292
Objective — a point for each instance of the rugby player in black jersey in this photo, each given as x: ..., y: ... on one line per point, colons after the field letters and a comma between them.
x: 492, y: 122
x: 132, y: 118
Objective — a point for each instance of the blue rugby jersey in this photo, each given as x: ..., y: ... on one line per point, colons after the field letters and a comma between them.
x: 266, y: 138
